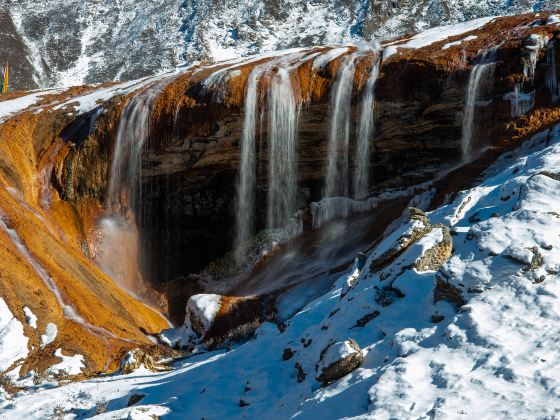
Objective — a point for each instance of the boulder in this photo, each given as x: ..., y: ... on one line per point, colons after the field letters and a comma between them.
x: 338, y: 360
x: 201, y: 312
x: 134, y: 359
x: 396, y: 243
x: 434, y: 257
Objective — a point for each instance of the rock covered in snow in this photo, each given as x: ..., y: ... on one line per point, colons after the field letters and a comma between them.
x: 135, y: 359
x: 434, y: 257
x: 30, y: 317
x: 201, y: 312
x: 401, y: 238
x: 338, y: 360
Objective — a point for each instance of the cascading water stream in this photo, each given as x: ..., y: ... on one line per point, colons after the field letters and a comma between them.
x: 365, y: 133
x: 132, y: 132
x: 337, y: 179
x: 283, y: 115
x: 68, y: 310
x: 245, y: 199
x: 479, y: 77
x: 282, y: 126
x: 118, y: 255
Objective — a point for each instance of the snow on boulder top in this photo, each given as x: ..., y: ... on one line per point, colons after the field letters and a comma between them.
x: 201, y: 311
x: 12, y: 107
x: 337, y: 352
x: 423, y: 39
x: 13, y: 343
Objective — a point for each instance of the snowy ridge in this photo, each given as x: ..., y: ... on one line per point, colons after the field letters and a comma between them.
x: 494, y: 357
x: 68, y: 42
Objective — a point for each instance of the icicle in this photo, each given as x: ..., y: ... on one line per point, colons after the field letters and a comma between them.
x: 533, y: 44
x: 551, y: 72
x: 521, y: 103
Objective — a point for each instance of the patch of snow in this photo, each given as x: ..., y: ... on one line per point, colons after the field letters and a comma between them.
x: 465, y: 39
x: 553, y: 19
x: 423, y: 39
x: 325, y: 58
x: 31, y: 318
x: 11, y: 107
x: 90, y: 101
x: 50, y: 334
x: 13, y: 343
x: 70, y: 365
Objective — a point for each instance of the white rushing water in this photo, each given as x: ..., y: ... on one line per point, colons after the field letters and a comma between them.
x: 118, y: 254
x: 481, y: 75
x: 283, y: 120
x: 337, y: 177
x: 245, y: 199
x: 283, y: 115
x: 132, y: 132
x: 365, y: 133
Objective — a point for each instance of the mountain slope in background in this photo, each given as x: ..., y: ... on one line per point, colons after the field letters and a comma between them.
x: 70, y: 42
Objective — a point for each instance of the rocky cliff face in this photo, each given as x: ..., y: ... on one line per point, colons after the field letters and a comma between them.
x: 59, y: 151
x: 70, y: 42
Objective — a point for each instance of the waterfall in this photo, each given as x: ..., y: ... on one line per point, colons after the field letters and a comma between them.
x: 132, y: 132
x: 337, y: 181
x: 118, y: 253
x: 245, y: 199
x: 283, y: 115
x: 481, y: 74
x: 365, y: 132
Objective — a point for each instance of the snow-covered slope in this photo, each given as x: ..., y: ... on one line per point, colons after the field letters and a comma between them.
x: 476, y: 337
x: 65, y: 42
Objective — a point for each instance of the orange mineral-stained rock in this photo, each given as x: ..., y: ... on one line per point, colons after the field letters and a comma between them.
x: 42, y: 240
